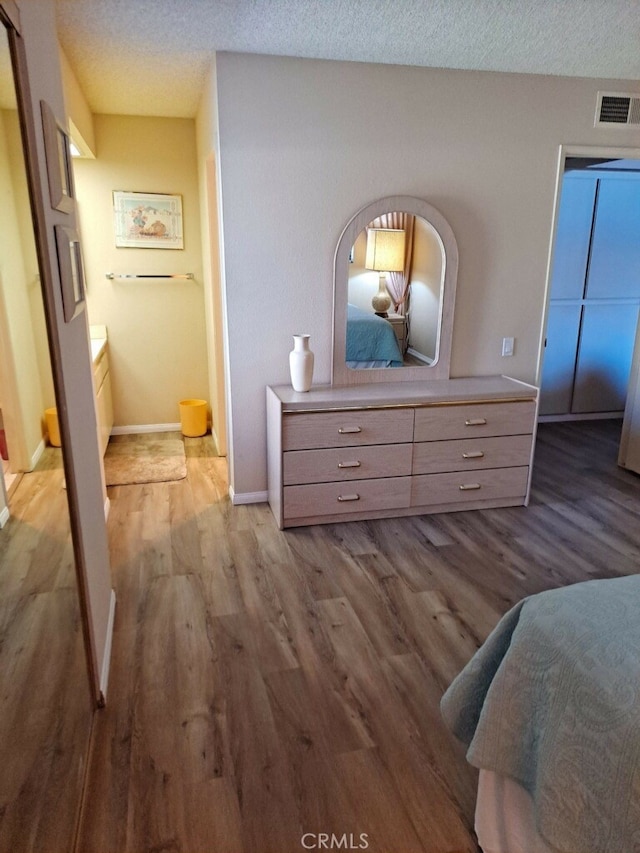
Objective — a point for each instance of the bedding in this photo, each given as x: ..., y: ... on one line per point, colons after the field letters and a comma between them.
x: 371, y: 341
x: 552, y: 700
x: 504, y: 820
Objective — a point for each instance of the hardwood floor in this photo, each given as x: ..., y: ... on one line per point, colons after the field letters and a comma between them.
x: 269, y: 684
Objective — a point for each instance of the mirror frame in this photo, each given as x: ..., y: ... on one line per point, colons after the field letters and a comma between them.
x: 43, y: 217
x: 440, y: 369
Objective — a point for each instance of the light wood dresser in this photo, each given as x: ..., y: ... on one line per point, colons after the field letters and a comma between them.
x: 375, y: 451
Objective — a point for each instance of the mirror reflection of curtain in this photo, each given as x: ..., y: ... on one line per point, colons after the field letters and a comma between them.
x: 398, y: 282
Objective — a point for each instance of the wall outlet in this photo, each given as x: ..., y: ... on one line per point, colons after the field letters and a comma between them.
x: 507, y: 346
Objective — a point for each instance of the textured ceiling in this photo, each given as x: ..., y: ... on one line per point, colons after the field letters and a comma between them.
x: 150, y: 57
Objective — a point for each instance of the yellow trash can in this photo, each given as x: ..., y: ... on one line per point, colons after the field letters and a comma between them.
x: 53, y: 427
x: 193, y: 417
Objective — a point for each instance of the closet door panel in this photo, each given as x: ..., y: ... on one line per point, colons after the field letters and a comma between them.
x: 559, y: 364
x: 604, y: 357
x: 614, y: 270
x: 573, y: 234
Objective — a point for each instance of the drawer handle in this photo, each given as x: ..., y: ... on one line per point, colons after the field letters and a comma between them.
x: 349, y: 430
x: 349, y: 464
x: 475, y: 422
x: 473, y: 454
x: 469, y: 487
x: 343, y: 498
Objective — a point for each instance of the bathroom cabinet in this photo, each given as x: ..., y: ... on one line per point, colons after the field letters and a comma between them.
x: 102, y: 386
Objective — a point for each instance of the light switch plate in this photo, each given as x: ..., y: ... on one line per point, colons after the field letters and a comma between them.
x: 507, y: 346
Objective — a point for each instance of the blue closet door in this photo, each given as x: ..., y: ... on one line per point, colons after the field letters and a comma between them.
x: 604, y: 357
x: 573, y: 235
x: 563, y: 325
x: 614, y: 270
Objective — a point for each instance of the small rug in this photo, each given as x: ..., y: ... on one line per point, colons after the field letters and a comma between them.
x: 157, y: 461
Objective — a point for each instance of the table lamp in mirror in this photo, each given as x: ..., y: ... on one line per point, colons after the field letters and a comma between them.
x: 385, y: 253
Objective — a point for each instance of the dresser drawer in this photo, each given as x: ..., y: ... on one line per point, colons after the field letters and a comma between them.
x: 350, y: 463
x: 489, y: 484
x: 435, y: 423
x: 504, y: 451
x: 347, y: 428
x: 343, y: 498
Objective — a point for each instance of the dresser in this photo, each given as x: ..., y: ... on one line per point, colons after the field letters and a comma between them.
x: 391, y: 449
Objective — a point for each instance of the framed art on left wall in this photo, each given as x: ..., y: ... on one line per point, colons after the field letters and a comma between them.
x: 71, y: 271
x: 58, y: 157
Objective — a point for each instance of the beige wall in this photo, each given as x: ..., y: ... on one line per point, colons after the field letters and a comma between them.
x: 79, y: 116
x: 209, y: 184
x: 426, y: 284
x: 304, y: 144
x: 156, y: 328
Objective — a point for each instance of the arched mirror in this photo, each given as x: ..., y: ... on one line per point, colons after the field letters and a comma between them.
x: 45, y: 703
x: 395, y: 275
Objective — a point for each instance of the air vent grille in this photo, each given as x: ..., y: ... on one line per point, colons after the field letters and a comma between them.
x: 617, y: 110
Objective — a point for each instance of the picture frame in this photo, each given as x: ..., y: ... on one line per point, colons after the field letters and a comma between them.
x: 58, y: 159
x: 147, y: 220
x: 72, y: 280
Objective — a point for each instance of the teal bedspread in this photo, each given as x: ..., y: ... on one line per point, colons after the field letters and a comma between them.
x: 552, y: 699
x: 371, y: 339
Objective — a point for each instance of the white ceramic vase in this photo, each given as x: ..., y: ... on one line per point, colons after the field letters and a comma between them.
x: 301, y: 363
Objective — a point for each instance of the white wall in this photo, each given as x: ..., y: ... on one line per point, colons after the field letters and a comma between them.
x: 302, y: 149
x: 156, y: 328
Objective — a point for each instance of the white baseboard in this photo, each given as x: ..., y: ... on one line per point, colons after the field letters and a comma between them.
x: 419, y: 356
x: 36, y: 455
x: 214, y: 436
x: 106, y: 660
x: 589, y: 416
x: 133, y: 429
x: 4, y: 515
x: 248, y: 497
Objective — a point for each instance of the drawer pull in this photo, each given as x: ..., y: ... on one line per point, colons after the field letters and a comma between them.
x: 473, y: 454
x: 355, y: 464
x: 343, y: 498
x: 475, y: 422
x: 467, y: 487
x: 349, y: 430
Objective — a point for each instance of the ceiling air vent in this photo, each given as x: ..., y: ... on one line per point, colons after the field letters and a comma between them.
x: 617, y: 110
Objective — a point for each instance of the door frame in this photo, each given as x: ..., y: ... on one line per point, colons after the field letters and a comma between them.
x: 565, y: 151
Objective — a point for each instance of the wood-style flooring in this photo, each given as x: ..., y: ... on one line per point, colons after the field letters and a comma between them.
x: 266, y: 685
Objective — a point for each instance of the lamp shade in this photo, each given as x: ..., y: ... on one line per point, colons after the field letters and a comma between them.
x: 385, y: 250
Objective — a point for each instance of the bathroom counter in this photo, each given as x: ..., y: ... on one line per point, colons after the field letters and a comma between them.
x: 97, y: 348
x: 98, y: 335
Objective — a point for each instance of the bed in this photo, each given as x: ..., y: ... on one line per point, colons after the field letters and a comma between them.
x: 549, y: 708
x: 371, y: 341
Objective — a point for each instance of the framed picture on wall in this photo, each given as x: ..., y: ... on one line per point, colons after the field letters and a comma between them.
x: 71, y: 271
x: 58, y: 157
x: 147, y: 220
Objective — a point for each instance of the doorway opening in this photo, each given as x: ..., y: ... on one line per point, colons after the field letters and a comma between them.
x: 592, y: 303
